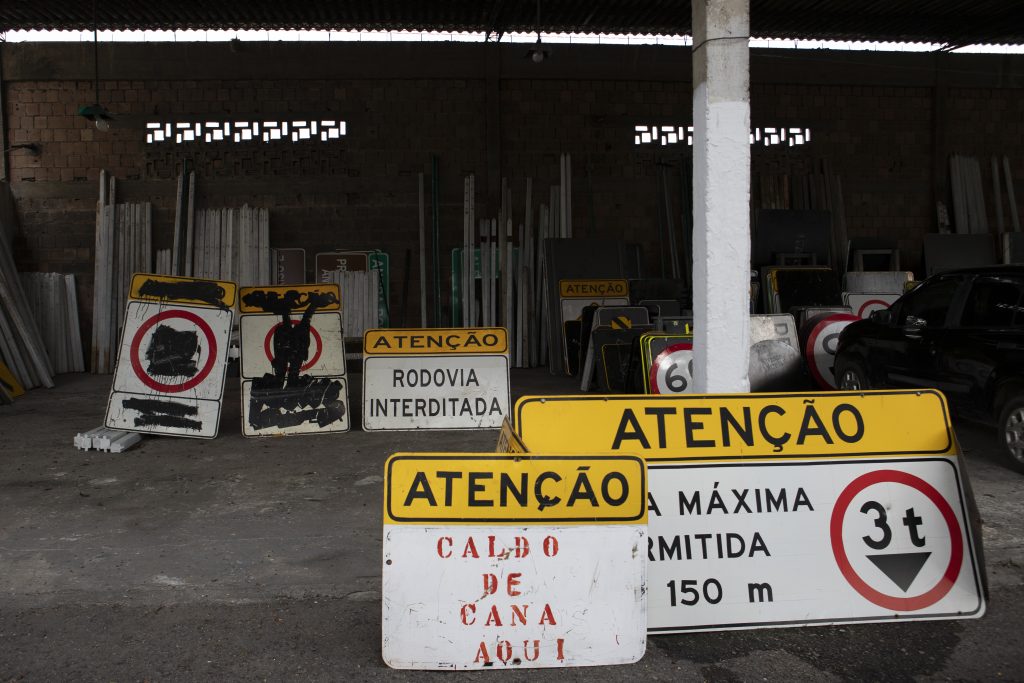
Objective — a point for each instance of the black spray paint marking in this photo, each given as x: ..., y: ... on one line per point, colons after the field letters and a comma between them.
x: 171, y: 352
x: 194, y: 290
x: 291, y: 340
x: 269, y: 301
x: 155, y: 413
x: 310, y: 399
x: 288, y: 398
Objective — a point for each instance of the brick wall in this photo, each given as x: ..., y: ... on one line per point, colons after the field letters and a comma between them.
x: 876, y: 127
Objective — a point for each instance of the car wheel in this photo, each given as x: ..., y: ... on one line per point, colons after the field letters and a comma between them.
x: 1011, y: 431
x: 851, y: 376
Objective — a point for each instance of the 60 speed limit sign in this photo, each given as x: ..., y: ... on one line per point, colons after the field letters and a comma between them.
x: 672, y: 370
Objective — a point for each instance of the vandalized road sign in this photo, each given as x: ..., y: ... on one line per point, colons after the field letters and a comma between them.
x: 435, y: 379
x: 293, y: 360
x: 746, y: 545
x: 513, y: 561
x: 171, y: 363
x: 667, y: 428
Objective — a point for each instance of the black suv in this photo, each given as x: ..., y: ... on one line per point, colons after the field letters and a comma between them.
x: 961, y: 332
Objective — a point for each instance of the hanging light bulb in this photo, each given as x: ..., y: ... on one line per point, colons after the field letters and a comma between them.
x: 102, y: 124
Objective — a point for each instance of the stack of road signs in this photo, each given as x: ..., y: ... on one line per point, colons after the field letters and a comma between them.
x: 511, y: 562
x: 870, y: 291
x: 574, y: 296
x: 788, y: 509
x: 819, y: 338
x: 775, y: 358
x: 292, y: 361
x: 667, y: 362
x: 608, y: 344
x: 171, y: 364
x: 437, y: 378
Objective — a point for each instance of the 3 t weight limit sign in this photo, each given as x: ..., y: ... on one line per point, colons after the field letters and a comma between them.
x: 747, y: 545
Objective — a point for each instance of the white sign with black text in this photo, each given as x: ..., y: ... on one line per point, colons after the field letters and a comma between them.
x: 435, y: 379
x: 749, y: 545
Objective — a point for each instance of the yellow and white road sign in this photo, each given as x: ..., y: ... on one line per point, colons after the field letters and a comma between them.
x: 490, y: 561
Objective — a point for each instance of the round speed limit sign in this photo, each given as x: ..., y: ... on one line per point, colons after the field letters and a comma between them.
x: 672, y: 370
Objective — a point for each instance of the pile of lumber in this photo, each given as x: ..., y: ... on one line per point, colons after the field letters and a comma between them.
x: 52, y: 296
x: 360, y: 300
x: 226, y: 244
x: 124, y: 239
x: 970, y: 214
x: 21, y: 346
x: 499, y: 277
x: 232, y: 244
x: 218, y: 244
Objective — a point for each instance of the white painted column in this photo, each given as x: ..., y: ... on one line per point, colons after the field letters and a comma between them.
x: 721, y: 195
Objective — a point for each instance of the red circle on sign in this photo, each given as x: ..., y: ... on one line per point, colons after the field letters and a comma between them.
x: 653, y: 378
x: 312, y: 330
x: 211, y: 345
x: 893, y: 602
x: 820, y: 327
x: 871, y: 302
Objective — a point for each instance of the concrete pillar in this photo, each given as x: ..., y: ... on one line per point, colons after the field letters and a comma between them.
x: 721, y: 195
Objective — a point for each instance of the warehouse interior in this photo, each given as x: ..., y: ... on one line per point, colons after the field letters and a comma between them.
x: 875, y: 138
x: 401, y: 153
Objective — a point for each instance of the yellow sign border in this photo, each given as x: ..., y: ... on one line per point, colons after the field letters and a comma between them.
x: 562, y: 294
x: 243, y: 291
x: 226, y: 298
x: 638, y: 518
x: 950, y: 449
x: 445, y: 334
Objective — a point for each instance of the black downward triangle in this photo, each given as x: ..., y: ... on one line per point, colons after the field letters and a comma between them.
x: 901, y: 568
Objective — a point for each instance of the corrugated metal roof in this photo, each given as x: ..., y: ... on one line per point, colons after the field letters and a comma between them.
x: 955, y: 22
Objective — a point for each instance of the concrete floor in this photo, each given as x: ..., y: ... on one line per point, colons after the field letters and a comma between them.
x: 238, y: 558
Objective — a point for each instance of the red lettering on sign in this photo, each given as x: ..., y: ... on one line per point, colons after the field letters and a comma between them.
x: 550, y: 546
x: 441, y: 542
x: 547, y: 617
x: 481, y: 655
x: 468, y: 614
x: 470, y: 549
x: 513, y: 580
x: 520, y: 613
x: 493, y: 619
